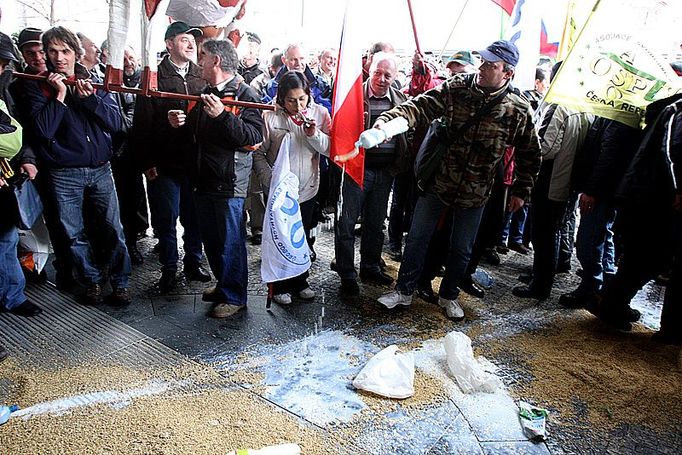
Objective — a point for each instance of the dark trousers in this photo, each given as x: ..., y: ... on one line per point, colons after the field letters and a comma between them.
x: 650, y: 238
x: 402, y: 206
x: 224, y: 233
x: 170, y: 198
x: 132, y: 199
x: 546, y: 216
x: 372, y: 202
x: 567, y: 233
x: 492, y: 223
x: 63, y: 264
x: 437, y: 252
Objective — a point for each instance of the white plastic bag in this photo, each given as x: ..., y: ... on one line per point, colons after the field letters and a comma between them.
x: 389, y: 373
x: 465, y: 368
x: 34, y: 247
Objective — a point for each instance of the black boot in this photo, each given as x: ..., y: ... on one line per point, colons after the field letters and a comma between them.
x: 472, y: 288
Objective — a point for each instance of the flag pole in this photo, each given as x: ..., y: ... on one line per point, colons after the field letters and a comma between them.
x: 414, y: 26
x: 153, y: 93
x: 268, y: 302
x: 442, y: 51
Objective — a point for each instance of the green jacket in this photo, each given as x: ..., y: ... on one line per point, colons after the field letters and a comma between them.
x: 10, y: 133
x: 468, y: 168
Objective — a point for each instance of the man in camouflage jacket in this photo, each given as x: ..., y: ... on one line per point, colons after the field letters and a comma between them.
x: 465, y: 176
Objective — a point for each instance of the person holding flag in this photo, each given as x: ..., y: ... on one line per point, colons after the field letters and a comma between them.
x: 307, y: 125
x: 381, y: 164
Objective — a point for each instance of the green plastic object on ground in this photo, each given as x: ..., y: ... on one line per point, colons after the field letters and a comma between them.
x: 533, y: 421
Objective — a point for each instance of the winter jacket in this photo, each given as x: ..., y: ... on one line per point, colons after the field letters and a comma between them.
x: 466, y: 175
x: 249, y: 73
x: 304, y: 152
x: 154, y: 141
x: 221, y: 149
x: 606, y: 153
x: 404, y: 158
x: 319, y: 89
x: 654, y: 174
x: 562, y: 132
x: 76, y: 133
x: 260, y: 83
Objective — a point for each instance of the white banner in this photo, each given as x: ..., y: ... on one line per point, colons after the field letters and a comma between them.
x: 525, y: 33
x: 284, y: 251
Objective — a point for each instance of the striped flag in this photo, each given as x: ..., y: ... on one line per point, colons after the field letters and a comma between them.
x: 348, y: 103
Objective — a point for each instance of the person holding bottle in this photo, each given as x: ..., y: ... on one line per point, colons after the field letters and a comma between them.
x: 308, y: 125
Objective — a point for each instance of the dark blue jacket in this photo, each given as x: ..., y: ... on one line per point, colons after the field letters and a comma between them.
x: 319, y: 89
x: 76, y: 133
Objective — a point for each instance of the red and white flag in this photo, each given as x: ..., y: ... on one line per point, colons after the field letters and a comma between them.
x: 348, y: 104
x: 507, y: 5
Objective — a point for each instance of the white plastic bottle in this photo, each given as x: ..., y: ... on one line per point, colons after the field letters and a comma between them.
x: 373, y: 136
x: 280, y: 449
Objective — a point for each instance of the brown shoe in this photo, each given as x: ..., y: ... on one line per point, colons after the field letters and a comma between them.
x: 225, y: 310
x: 93, y: 295
x: 211, y: 295
x: 121, y: 296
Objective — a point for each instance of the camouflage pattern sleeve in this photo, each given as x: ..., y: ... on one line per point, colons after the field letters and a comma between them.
x: 421, y: 109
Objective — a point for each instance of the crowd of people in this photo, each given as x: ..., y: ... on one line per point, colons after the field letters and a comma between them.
x: 510, y: 173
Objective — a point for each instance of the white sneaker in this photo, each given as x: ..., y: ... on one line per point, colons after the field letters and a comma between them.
x: 452, y: 308
x: 306, y: 294
x: 395, y: 298
x: 282, y: 299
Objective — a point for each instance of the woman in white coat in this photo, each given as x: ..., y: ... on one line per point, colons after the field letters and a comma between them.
x: 308, y: 126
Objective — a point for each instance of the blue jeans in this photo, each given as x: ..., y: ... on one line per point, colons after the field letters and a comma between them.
x: 465, y: 224
x: 514, y: 223
x: 592, y: 246
x: 71, y: 188
x: 170, y: 197
x: 372, y: 202
x: 12, y: 279
x: 223, y: 230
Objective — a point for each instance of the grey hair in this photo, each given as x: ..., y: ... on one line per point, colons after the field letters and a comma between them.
x: 380, y: 57
x: 292, y: 46
x: 508, y: 67
x: 229, y: 60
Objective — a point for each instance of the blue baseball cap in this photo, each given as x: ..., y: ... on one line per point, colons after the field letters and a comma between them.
x: 501, y: 50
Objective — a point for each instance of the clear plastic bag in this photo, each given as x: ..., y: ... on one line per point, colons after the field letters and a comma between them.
x: 468, y: 372
x: 389, y: 373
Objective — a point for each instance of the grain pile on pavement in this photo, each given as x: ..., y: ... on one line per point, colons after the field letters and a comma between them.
x: 593, y: 376
x: 206, y: 415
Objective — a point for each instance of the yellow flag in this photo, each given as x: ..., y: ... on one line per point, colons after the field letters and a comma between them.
x: 576, y: 15
x: 613, y: 69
